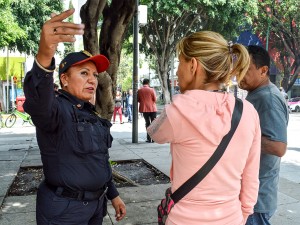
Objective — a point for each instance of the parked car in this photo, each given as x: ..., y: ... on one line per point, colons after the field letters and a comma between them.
x: 294, y: 104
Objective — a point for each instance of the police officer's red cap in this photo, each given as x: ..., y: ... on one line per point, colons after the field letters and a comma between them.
x: 75, y: 58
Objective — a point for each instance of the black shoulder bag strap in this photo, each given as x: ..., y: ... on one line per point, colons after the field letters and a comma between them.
x: 207, y: 167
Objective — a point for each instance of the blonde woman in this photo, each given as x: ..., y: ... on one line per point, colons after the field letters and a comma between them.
x: 195, y: 124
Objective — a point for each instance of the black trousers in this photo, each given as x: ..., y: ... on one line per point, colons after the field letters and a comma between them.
x: 149, y: 117
x: 54, y: 210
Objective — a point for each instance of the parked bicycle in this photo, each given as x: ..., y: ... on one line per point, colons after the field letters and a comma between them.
x: 12, y: 118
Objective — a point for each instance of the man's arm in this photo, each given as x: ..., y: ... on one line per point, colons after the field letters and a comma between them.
x: 138, y: 96
x: 273, y: 147
x: 153, y: 95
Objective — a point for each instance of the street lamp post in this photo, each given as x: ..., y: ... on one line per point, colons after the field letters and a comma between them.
x: 7, y: 80
x: 135, y: 76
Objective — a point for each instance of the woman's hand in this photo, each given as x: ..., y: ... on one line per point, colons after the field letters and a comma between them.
x: 120, y: 208
x: 55, y: 31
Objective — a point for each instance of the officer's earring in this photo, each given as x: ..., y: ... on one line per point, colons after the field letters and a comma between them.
x: 66, y: 84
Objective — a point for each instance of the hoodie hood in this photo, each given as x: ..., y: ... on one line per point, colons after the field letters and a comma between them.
x: 207, y: 112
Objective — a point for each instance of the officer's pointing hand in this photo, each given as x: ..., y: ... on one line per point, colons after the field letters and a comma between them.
x: 54, y: 31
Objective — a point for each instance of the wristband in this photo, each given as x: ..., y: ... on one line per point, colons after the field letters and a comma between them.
x: 41, y: 67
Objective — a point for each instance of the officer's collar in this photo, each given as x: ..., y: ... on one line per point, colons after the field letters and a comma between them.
x: 75, y: 101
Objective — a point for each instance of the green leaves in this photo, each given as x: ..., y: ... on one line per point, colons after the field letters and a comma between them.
x: 9, y: 28
x: 282, y: 19
x: 125, y: 72
x: 169, y: 21
x: 21, y: 22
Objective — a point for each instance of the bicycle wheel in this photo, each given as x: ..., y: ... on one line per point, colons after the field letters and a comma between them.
x: 11, y: 120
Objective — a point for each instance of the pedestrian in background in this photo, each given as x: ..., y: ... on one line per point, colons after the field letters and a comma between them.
x: 118, y: 107
x: 124, y: 95
x: 72, y: 138
x: 195, y: 123
x: 273, y: 115
x: 147, y: 99
x: 129, y: 101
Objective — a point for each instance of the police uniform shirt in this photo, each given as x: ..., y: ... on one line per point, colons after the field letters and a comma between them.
x: 73, y: 140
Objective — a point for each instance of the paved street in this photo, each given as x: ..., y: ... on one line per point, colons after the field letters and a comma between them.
x: 289, y: 194
x: 18, y: 148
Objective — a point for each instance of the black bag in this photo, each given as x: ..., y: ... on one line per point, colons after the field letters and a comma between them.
x: 166, y: 204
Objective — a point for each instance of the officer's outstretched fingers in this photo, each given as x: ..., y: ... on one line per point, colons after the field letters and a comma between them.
x: 120, y: 208
x: 54, y: 31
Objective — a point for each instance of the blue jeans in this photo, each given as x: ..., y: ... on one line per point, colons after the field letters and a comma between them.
x: 129, y: 112
x: 259, y: 219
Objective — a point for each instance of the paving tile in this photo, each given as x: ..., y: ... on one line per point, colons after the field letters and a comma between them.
x: 19, y: 204
x: 27, y: 218
x: 139, y: 213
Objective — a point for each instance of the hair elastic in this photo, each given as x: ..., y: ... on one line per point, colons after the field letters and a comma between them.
x: 230, y: 46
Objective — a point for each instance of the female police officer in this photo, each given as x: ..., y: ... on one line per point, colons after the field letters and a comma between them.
x: 72, y: 139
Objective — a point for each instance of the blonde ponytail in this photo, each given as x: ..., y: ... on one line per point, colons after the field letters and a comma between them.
x: 220, y: 59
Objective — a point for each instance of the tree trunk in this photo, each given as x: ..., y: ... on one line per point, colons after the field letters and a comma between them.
x: 163, y: 68
x: 90, y: 13
x: 104, y: 97
x: 163, y: 77
x: 116, y: 19
x: 286, y: 71
x: 294, y: 77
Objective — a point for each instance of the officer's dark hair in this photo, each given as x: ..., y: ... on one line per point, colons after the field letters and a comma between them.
x: 146, y: 81
x: 260, y: 57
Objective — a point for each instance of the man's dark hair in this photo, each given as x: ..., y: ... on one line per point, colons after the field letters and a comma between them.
x: 260, y: 56
x: 146, y: 81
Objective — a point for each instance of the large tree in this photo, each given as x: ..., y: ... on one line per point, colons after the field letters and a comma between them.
x: 30, y: 16
x: 116, y: 16
x: 278, y: 23
x: 9, y: 28
x: 169, y: 21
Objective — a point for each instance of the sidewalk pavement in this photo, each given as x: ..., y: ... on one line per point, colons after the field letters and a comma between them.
x: 18, y: 148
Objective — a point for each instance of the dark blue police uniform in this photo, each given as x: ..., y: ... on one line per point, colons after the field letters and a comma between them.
x: 74, y: 145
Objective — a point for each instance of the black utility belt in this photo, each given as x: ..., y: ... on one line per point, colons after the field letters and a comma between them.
x: 78, y: 195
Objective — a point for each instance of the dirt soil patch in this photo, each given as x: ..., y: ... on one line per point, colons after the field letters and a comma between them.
x: 27, y: 181
x: 138, y: 171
